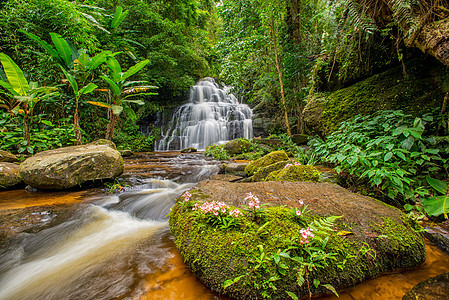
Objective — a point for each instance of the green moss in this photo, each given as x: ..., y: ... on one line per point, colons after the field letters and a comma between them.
x: 417, y: 93
x: 262, y: 173
x: 295, y: 173
x: 237, y: 146
x: 270, y: 158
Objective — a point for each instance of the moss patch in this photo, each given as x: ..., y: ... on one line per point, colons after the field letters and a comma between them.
x: 270, y: 158
x: 295, y: 173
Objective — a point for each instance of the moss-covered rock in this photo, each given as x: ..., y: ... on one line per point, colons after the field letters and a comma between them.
x: 369, y: 239
x: 262, y: 173
x: 104, y: 142
x: 300, y: 139
x: 9, y: 175
x: 237, y: 146
x: 189, y: 150
x: 270, y: 158
x: 417, y: 93
x: 71, y: 166
x: 5, y: 156
x: 295, y: 173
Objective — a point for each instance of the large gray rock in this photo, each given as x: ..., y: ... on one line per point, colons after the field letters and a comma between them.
x: 435, y: 288
x: 5, y: 156
x: 71, y: 166
x: 9, y: 175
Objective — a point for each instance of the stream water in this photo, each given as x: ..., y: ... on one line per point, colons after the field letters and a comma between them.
x: 95, y: 245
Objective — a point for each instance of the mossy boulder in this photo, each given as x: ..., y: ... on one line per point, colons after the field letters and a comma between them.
x: 300, y: 139
x: 189, y: 150
x: 237, y: 146
x: 9, y: 175
x: 5, y: 156
x: 71, y: 166
x: 262, y: 173
x: 418, y: 92
x: 370, y: 238
x: 104, y: 142
x: 295, y: 173
x: 270, y: 158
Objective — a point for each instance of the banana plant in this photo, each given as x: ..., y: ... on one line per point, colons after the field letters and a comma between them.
x: 122, y: 90
x: 76, y: 68
x: 27, y: 94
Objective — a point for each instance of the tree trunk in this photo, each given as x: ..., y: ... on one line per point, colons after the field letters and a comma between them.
x: 279, y: 71
x: 26, y: 129
x: 76, y: 121
x: 110, y: 127
x: 433, y: 39
x: 294, y: 21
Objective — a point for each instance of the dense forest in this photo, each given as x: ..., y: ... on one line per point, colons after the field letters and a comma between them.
x: 77, y: 71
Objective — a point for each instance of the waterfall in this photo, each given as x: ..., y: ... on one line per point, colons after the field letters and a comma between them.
x: 211, y: 115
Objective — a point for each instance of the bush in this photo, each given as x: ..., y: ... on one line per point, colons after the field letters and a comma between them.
x: 389, y: 150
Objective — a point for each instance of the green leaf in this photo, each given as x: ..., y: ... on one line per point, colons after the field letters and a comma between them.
x: 117, y: 109
x: 63, y: 48
x: 134, y: 69
x: 401, y: 155
x: 88, y: 88
x: 119, y: 16
x: 407, y: 144
x: 115, y: 68
x: 139, y: 102
x: 42, y: 43
x: 71, y: 80
x: 15, y: 75
x: 112, y: 85
x: 436, y: 206
x: 438, y: 185
x: 331, y: 288
x: 388, y: 156
x: 292, y: 295
x: 316, y: 282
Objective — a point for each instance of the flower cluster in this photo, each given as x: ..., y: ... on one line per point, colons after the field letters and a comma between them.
x: 215, y: 208
x: 289, y: 165
x: 186, y: 196
x: 306, y: 233
x: 253, y: 201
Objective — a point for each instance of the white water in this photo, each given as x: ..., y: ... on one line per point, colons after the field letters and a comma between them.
x: 94, y: 255
x: 211, y: 115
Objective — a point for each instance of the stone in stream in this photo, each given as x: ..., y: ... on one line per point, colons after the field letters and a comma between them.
x: 9, y: 175
x: 237, y: 146
x: 72, y: 166
x: 5, y: 156
x: 435, y: 288
x: 244, y: 262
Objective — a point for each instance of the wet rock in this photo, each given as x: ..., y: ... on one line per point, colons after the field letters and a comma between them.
x: 189, y: 150
x: 379, y: 240
x: 71, y: 166
x: 439, y: 236
x: 435, y: 288
x: 5, y: 156
x: 300, y: 139
x: 270, y: 158
x: 295, y: 173
x: 225, y: 177
x: 104, y: 143
x: 237, y: 146
x: 235, y: 168
x: 125, y: 153
x: 9, y: 175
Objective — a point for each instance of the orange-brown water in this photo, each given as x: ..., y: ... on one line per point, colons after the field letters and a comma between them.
x: 17, y: 199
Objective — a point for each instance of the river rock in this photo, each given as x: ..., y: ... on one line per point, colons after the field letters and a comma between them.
x: 9, y: 175
x: 439, y: 236
x: 369, y: 239
x: 71, y: 166
x: 5, y: 156
x: 237, y: 146
x: 189, y: 150
x: 270, y: 158
x: 435, y: 288
x: 125, y: 153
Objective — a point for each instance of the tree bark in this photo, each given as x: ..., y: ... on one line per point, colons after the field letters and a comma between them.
x: 110, y: 127
x: 294, y: 21
x: 26, y: 129
x: 434, y: 40
x: 76, y: 121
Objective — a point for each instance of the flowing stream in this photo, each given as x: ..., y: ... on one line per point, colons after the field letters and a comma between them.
x: 211, y: 115
x: 95, y: 245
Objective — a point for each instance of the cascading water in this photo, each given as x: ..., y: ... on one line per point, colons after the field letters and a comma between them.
x: 211, y: 115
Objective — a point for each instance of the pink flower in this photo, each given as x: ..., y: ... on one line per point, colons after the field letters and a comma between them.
x: 253, y: 201
x: 186, y: 196
x: 298, y: 213
x: 297, y: 163
x: 306, y: 233
x: 287, y: 165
